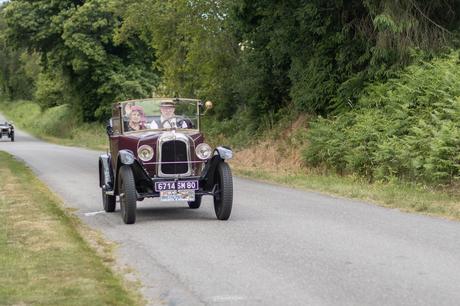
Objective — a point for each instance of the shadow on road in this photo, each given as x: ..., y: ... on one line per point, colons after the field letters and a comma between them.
x: 147, y: 214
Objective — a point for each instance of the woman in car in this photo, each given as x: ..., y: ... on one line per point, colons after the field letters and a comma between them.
x: 136, y: 119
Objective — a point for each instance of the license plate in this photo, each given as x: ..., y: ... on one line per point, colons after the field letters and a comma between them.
x: 176, y: 185
x: 177, y: 195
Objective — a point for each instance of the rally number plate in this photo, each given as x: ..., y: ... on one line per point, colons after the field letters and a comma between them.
x: 177, y: 195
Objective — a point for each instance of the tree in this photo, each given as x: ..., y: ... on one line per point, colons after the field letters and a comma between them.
x: 18, y: 69
x: 76, y: 43
x: 194, y: 48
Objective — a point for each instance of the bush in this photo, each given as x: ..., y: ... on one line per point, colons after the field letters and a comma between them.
x: 58, y: 121
x: 407, y: 128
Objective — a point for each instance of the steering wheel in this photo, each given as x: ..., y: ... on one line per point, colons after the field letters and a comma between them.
x: 178, y: 124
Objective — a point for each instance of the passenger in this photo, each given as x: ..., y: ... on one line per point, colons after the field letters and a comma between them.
x: 136, y: 119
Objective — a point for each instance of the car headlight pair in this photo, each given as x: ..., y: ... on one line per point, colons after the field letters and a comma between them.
x: 203, y: 151
x: 145, y: 153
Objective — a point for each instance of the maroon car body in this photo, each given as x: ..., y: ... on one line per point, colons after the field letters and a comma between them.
x: 162, y: 160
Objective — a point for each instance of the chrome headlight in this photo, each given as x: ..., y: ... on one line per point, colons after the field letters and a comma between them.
x: 145, y: 153
x: 203, y: 151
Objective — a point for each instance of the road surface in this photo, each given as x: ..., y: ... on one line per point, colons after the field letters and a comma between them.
x: 281, y: 246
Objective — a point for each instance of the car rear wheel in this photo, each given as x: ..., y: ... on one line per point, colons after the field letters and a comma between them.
x: 128, y: 197
x: 195, y: 204
x: 223, y: 198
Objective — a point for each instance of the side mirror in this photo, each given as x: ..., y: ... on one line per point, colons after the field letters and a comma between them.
x: 109, y: 128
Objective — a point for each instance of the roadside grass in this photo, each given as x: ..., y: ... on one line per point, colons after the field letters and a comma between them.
x: 87, y: 135
x: 397, y: 195
x: 276, y: 157
x: 57, y: 124
x: 44, y: 259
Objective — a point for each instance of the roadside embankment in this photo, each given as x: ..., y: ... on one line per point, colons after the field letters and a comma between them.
x: 45, y: 260
x: 57, y: 124
x: 279, y: 160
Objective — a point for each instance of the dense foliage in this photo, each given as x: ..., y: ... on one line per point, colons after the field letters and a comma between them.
x: 262, y: 56
x: 18, y: 69
x: 81, y: 63
x: 407, y: 127
x: 258, y: 60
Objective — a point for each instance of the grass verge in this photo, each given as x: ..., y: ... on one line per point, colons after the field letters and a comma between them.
x: 397, y: 195
x: 57, y: 124
x: 44, y: 259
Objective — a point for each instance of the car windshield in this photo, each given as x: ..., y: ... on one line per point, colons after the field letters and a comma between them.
x: 159, y: 114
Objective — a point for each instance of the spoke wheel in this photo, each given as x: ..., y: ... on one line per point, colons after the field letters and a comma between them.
x: 128, y: 197
x: 223, y: 198
x: 195, y: 204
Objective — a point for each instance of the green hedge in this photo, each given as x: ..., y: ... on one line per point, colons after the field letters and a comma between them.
x: 58, y: 121
x: 406, y: 128
x: 59, y: 124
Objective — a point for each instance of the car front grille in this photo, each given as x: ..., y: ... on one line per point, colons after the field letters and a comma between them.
x: 174, y: 157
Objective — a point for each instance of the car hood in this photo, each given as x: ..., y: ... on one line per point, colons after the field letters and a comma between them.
x: 149, y: 136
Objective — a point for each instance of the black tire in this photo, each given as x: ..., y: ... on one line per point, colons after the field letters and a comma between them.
x: 108, y: 201
x: 223, y: 199
x: 128, y: 197
x: 195, y: 204
x: 12, y: 137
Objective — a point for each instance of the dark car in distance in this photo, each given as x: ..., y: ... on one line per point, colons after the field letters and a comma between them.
x: 157, y: 150
x: 7, y: 130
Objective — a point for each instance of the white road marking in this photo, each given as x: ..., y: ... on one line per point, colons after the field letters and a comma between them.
x: 227, y: 298
x: 90, y: 214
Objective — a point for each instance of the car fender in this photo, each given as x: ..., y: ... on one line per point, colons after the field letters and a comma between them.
x: 125, y: 157
x: 208, y: 173
x: 225, y: 153
x: 105, y: 171
x: 141, y: 177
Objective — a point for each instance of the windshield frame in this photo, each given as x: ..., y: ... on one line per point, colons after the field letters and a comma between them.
x: 198, y: 103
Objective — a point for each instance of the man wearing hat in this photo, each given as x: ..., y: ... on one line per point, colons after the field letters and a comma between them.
x: 168, y: 119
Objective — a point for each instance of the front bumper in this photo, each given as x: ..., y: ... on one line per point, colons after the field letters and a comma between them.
x: 200, y: 192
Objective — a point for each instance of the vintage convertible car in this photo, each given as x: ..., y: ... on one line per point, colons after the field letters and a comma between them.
x: 7, y: 130
x: 157, y: 153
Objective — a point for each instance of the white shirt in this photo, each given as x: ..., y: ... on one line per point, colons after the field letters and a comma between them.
x: 166, y: 124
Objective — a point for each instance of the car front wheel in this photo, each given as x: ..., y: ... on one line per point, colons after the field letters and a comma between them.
x: 223, y: 198
x: 128, y: 197
x: 12, y: 136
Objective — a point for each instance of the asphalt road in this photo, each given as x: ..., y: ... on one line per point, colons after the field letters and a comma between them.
x: 281, y: 246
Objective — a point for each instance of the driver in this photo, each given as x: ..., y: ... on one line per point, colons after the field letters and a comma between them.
x: 168, y: 119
